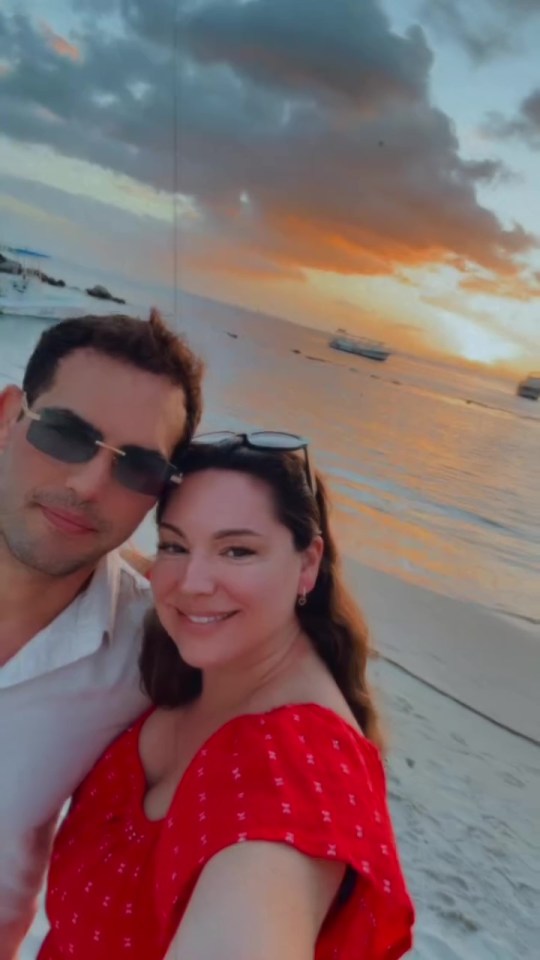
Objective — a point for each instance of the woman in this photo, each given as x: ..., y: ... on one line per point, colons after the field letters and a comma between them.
x: 244, y: 817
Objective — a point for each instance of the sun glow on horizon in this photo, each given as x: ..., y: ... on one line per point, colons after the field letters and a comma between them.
x: 479, y: 345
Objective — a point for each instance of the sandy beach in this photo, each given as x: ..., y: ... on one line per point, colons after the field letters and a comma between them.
x: 464, y: 792
x: 465, y: 799
x: 482, y: 659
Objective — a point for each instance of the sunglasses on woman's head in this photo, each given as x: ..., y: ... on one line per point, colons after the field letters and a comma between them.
x: 63, y: 435
x: 262, y: 440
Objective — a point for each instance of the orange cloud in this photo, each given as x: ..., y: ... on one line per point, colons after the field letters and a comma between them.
x: 288, y: 243
x: 59, y: 44
x: 288, y: 235
x: 511, y: 288
x: 320, y: 244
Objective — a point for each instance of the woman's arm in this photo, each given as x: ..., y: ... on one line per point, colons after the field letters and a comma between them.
x: 257, y: 901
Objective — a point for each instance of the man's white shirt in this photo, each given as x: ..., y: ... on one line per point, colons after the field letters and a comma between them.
x: 63, y: 698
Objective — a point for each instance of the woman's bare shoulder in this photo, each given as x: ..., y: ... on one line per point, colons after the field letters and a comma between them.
x: 314, y: 685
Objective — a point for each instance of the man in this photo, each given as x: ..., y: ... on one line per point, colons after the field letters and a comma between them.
x: 85, y: 450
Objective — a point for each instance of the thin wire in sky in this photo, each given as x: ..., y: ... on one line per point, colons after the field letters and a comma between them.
x: 176, y: 150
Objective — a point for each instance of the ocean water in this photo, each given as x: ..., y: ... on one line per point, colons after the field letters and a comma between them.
x: 433, y: 469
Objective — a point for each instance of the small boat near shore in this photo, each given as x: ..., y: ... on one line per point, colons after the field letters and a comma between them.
x: 362, y: 346
x: 529, y: 387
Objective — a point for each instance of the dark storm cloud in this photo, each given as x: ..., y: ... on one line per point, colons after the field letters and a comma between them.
x: 114, y: 106
x: 312, y: 47
x: 306, y: 136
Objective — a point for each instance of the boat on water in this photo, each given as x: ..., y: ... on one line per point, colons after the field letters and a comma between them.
x: 362, y: 346
x: 529, y: 387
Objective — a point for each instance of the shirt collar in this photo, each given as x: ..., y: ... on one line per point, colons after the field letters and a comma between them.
x: 77, y: 632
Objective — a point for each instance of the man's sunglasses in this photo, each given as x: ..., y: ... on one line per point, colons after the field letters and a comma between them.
x: 65, y: 436
x: 262, y: 440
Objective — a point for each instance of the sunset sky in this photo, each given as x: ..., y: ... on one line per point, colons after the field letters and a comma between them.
x: 352, y: 163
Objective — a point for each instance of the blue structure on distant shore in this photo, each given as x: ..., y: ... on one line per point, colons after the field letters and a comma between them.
x: 22, y: 252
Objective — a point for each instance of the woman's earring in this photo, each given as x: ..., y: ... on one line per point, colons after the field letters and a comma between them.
x: 302, y: 598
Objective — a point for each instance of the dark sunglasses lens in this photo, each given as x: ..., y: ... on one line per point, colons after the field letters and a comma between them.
x: 60, y: 438
x: 142, y: 472
x: 270, y: 440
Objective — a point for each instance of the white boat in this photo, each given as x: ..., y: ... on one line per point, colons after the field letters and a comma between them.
x: 529, y: 387
x: 362, y: 346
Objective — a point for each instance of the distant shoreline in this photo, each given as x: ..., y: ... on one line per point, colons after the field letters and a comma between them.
x: 21, y: 275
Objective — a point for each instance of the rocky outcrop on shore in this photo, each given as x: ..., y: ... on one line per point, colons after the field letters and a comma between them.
x: 15, y: 268
x: 101, y: 293
x: 50, y: 280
